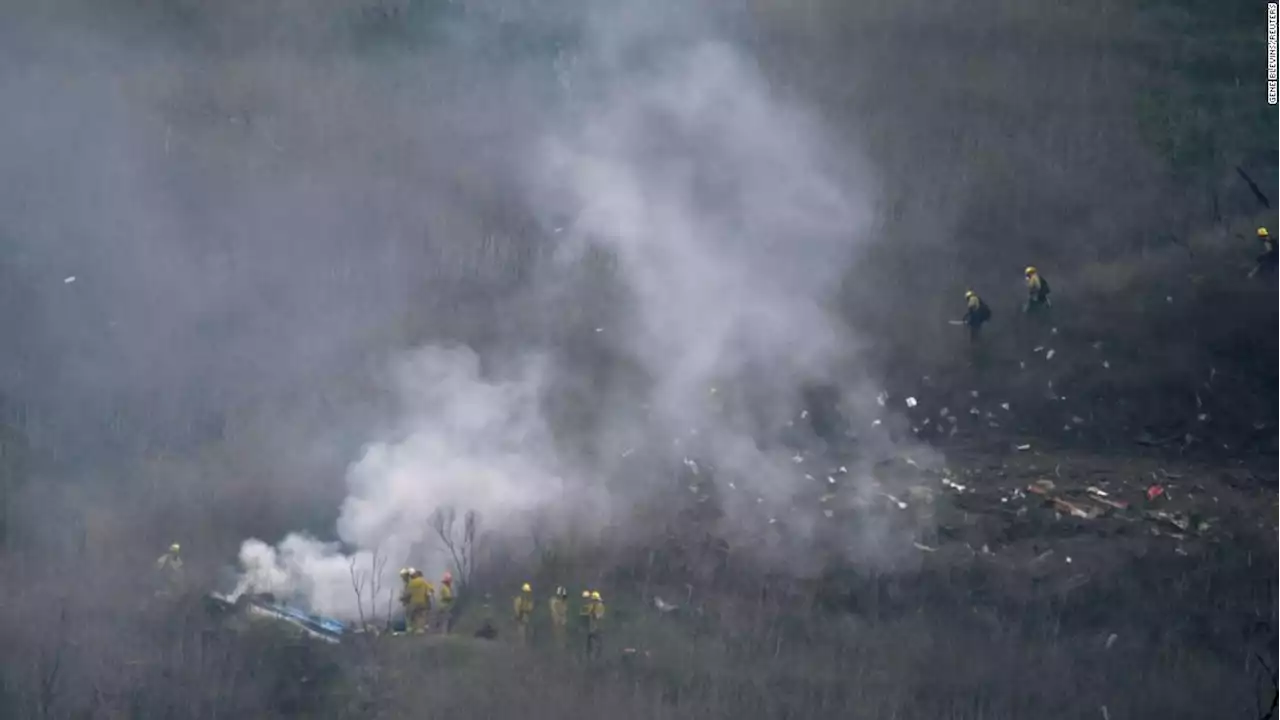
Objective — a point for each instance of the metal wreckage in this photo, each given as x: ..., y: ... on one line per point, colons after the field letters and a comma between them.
x: 264, y: 607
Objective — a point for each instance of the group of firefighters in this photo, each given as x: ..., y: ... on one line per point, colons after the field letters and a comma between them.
x: 977, y: 312
x: 420, y: 601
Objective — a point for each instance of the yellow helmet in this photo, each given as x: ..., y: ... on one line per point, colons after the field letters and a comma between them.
x: 968, y: 294
x: 1262, y: 232
x: 525, y: 588
x: 595, y: 594
x: 1031, y: 270
x: 175, y: 548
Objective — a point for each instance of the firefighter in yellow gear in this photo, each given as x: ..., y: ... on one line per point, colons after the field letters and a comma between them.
x: 405, y: 575
x: 169, y: 568
x: 523, y: 607
x: 559, y: 608
x: 445, y: 612
x: 417, y: 601
x: 1267, y: 260
x: 976, y: 314
x: 584, y: 610
x: 1037, y: 292
x: 595, y: 623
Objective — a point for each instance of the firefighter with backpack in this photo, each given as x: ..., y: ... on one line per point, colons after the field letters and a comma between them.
x: 976, y: 314
x: 1038, y: 302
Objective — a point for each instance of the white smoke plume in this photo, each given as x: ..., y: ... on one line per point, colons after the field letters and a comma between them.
x: 730, y: 218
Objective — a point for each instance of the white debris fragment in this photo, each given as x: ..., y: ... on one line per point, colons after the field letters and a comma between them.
x: 807, y: 476
x: 953, y: 430
x: 1004, y: 406
x: 828, y: 513
x: 842, y: 469
x: 1096, y: 491
x: 1202, y: 417
x: 831, y: 480
x: 732, y: 486
x: 901, y: 505
x: 759, y: 500
x: 876, y: 423
x: 943, y: 412
x: 713, y: 391
x: 912, y: 463
x: 804, y: 414
x: 973, y: 393
x: 1053, y: 331
x: 773, y: 520
x: 1106, y: 365
x: 599, y: 329
x: 627, y: 452
x: 1022, y: 365
x: 993, y: 424
x: 925, y: 548
x: 952, y: 419
x: 693, y: 466
x: 925, y: 423
x: 1168, y: 298
x: 1038, y: 348
x: 797, y: 458
x: 68, y: 280
x: 1068, y: 559
x: 1077, y: 419
x: 911, y: 402
x: 974, y: 411
x: 1049, y: 355
x: 1023, y: 448
x: 1111, y: 640
x: 881, y: 398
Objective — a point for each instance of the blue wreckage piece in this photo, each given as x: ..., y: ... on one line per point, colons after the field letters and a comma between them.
x: 265, y: 606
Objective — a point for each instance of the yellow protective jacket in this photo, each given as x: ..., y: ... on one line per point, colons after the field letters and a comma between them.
x: 446, y: 596
x: 523, y: 607
x: 595, y: 616
x: 417, y: 593
x: 559, y: 610
x: 1037, y: 289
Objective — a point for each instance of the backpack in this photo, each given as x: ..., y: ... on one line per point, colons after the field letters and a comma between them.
x: 984, y: 311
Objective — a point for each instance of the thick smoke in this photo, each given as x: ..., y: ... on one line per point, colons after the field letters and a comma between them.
x: 728, y: 220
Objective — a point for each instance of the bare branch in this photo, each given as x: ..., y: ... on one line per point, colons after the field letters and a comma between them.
x: 357, y: 585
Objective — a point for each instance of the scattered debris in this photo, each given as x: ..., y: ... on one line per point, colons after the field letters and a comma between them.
x: 1041, y: 487
x: 1154, y: 492
x: 923, y: 547
x: 901, y: 505
x: 68, y: 280
x: 881, y: 398
x: 1049, y: 355
x: 1004, y: 406
x: 1111, y: 640
x: 1075, y: 510
x: 663, y: 606
x: 911, y: 402
x: 973, y: 393
x: 1076, y: 419
x: 1106, y: 365
x: 1023, y: 448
